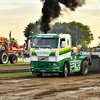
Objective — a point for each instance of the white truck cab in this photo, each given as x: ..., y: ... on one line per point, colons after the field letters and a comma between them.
x: 51, y: 53
x: 50, y: 47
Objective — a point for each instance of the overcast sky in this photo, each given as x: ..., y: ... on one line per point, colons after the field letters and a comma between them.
x: 16, y: 14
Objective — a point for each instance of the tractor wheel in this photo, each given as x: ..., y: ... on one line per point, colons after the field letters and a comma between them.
x: 84, y: 68
x: 4, y: 58
x: 65, y: 70
x: 13, y: 58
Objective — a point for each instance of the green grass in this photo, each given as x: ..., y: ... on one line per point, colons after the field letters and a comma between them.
x: 17, y: 64
x: 15, y: 74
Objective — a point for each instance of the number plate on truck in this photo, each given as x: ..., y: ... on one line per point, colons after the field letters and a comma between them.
x: 43, y: 70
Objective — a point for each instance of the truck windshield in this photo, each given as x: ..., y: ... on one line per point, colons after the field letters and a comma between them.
x: 45, y: 42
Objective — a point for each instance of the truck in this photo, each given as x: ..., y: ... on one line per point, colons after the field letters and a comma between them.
x: 51, y: 53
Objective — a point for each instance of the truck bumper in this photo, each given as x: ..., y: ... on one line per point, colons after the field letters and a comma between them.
x: 48, y: 70
x: 48, y: 67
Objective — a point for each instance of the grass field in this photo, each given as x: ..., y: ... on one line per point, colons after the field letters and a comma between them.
x: 15, y: 74
x: 17, y: 64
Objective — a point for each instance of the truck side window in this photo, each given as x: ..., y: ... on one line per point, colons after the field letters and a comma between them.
x: 61, y: 40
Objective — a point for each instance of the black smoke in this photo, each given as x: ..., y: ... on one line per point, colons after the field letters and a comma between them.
x: 51, y: 10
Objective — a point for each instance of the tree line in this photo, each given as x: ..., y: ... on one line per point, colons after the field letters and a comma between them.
x: 77, y: 31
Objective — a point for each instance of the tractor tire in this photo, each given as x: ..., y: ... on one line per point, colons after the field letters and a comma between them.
x: 13, y: 58
x: 84, y: 68
x: 65, y: 70
x: 4, y: 58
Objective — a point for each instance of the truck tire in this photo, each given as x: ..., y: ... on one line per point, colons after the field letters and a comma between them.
x: 39, y: 75
x: 13, y: 58
x: 65, y: 70
x: 4, y: 58
x: 84, y: 68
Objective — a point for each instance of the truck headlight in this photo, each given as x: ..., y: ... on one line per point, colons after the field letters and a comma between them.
x: 55, y: 64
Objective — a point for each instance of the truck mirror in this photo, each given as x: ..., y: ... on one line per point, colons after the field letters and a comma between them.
x: 63, y: 44
x: 29, y: 44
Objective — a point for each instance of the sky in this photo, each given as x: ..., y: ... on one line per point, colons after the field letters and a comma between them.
x: 15, y: 15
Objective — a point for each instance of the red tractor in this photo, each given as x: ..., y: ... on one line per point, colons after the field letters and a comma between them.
x: 6, y: 51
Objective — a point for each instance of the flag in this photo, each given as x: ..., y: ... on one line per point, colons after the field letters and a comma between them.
x: 10, y: 39
x: 76, y: 41
x: 10, y: 36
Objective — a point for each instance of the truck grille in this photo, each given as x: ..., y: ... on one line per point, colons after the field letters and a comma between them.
x: 43, y: 66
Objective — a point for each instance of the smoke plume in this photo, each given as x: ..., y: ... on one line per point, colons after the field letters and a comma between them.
x: 51, y: 10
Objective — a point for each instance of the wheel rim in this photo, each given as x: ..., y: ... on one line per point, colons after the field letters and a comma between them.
x: 5, y: 58
x: 14, y: 59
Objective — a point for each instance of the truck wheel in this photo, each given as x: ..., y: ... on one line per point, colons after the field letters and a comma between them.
x: 85, y: 68
x: 4, y: 58
x: 13, y: 58
x: 39, y: 75
x: 65, y: 70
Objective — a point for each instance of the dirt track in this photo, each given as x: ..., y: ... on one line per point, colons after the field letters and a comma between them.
x: 51, y: 88
x: 12, y: 69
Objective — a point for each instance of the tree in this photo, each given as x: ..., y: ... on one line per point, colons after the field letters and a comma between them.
x: 59, y: 28
x: 28, y: 31
x: 31, y: 29
x: 82, y: 32
x: 75, y: 29
x: 36, y: 29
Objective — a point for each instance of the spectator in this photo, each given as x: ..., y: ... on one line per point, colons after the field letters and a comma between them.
x: 21, y: 54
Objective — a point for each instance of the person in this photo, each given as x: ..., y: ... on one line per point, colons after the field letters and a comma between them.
x: 21, y: 54
x: 25, y: 54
